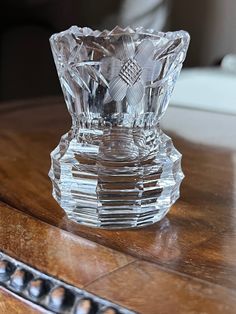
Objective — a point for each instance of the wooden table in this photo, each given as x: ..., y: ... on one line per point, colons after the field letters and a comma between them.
x: 184, y: 264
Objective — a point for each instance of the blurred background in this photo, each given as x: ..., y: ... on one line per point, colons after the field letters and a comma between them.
x: 207, y: 82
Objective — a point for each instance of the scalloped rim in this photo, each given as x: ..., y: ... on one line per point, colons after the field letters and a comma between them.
x: 117, y: 31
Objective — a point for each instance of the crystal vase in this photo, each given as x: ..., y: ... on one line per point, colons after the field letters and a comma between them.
x: 115, y: 168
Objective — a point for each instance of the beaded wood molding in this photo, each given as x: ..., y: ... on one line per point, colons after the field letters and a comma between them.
x: 51, y: 294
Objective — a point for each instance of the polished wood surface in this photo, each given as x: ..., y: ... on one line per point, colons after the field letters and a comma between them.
x: 154, y: 290
x: 9, y: 303
x: 184, y: 264
x: 73, y: 259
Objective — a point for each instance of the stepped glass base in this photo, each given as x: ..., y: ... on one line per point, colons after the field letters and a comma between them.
x: 124, y: 178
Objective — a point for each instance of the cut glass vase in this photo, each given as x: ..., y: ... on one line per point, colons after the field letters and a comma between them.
x: 115, y: 168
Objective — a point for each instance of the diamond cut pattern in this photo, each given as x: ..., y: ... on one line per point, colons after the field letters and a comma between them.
x: 130, y: 72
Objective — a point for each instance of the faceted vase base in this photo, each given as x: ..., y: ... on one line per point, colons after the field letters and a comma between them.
x: 115, y: 192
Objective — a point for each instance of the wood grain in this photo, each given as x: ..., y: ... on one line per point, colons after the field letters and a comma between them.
x: 196, y: 239
x: 151, y: 290
x: 10, y: 304
x: 214, y: 260
x: 76, y: 260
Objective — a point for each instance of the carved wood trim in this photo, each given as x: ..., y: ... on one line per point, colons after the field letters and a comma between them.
x: 50, y: 293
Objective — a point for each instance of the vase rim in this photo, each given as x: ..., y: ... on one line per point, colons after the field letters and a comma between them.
x: 81, y: 32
